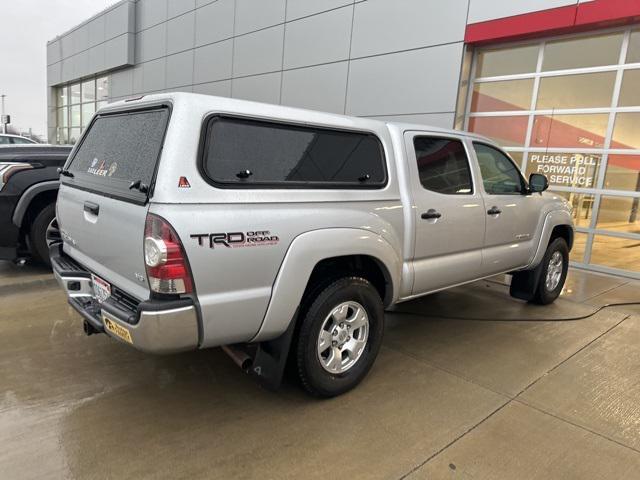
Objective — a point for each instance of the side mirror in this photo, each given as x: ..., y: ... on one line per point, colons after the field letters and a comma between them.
x: 538, y: 183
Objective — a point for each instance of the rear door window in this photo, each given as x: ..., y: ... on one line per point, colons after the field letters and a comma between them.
x: 443, y: 166
x: 120, y: 149
x: 241, y: 152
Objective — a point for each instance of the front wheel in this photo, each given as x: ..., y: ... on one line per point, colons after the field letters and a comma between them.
x: 339, y: 337
x: 555, y: 265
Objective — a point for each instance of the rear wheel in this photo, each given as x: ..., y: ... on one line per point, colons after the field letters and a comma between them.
x: 339, y: 337
x: 38, y: 234
x: 555, y: 265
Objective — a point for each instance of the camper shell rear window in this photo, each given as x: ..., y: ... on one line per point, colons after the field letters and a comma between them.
x: 120, y: 149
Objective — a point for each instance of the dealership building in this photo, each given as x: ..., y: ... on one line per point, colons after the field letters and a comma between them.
x: 556, y: 82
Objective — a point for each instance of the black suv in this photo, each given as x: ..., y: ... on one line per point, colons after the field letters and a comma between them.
x: 28, y: 191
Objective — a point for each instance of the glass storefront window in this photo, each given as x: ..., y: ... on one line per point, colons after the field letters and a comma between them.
x: 63, y: 120
x: 565, y: 169
x: 614, y: 252
x: 502, y: 96
x: 63, y: 96
x: 581, y: 207
x: 102, y: 90
x: 590, y: 51
x: 88, y: 109
x: 623, y: 173
x: 626, y: 131
x: 569, y: 131
x: 88, y: 91
x: 75, y: 93
x: 589, y: 90
x: 507, y: 61
x: 74, y: 135
x: 629, y: 92
x: 508, y: 131
x: 588, y: 147
x: 75, y: 115
x: 633, y: 52
x: 63, y: 137
x: 579, y: 247
x: 619, y: 214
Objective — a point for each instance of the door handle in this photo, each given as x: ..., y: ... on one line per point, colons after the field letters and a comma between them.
x: 431, y: 214
x: 494, y: 211
x: 92, y: 208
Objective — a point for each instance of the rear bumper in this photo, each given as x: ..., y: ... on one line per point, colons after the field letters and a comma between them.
x: 154, y: 326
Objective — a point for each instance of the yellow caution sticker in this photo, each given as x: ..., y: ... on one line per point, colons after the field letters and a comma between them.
x: 118, y: 330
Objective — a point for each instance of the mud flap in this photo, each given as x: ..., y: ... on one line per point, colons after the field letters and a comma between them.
x: 271, y: 358
x: 525, y: 283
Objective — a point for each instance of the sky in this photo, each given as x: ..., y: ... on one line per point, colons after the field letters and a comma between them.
x: 26, y: 26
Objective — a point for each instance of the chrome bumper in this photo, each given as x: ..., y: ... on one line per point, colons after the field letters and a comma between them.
x: 151, y: 328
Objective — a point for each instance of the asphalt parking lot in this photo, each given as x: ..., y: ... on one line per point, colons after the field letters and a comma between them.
x: 469, y: 384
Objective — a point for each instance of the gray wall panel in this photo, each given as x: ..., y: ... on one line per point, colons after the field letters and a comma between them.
x: 119, y: 51
x: 138, y: 82
x: 213, y: 62
x: 97, y: 58
x: 318, y: 88
x: 54, y: 74
x: 303, y: 8
x: 180, y: 69
x: 151, y: 43
x: 252, y: 15
x: 178, y: 7
x: 258, y: 52
x: 307, y: 41
x: 117, y: 21
x: 482, y: 10
x: 149, y: 13
x: 181, y: 33
x: 121, y: 83
x: 97, y: 30
x: 214, y: 22
x: 417, y: 81
x: 153, y: 75
x: 381, y: 26
x: 220, y: 89
x: 260, y: 88
x: 53, y: 52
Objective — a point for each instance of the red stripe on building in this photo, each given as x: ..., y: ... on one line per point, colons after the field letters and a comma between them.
x: 572, y: 18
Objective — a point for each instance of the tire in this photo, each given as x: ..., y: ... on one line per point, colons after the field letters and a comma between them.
x: 38, y: 234
x: 359, y: 338
x: 549, y: 289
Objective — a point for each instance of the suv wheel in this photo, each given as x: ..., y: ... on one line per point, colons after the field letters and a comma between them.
x: 554, y: 272
x: 339, y: 337
x: 38, y: 234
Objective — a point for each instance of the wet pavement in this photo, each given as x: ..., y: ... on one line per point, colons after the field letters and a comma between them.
x: 469, y: 384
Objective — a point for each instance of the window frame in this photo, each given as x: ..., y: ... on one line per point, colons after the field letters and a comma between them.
x: 523, y: 181
x: 204, y: 144
x: 461, y: 140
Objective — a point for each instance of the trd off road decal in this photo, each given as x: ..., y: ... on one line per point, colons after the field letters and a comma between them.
x: 236, y: 239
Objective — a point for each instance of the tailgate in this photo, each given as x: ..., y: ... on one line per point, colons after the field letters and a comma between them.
x: 100, y: 213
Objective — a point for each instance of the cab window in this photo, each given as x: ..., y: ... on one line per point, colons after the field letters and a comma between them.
x: 500, y: 176
x: 443, y: 166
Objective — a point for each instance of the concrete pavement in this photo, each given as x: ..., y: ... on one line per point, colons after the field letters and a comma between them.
x: 469, y: 384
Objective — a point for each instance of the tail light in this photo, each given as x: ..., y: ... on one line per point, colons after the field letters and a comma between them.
x: 9, y: 168
x: 167, y: 267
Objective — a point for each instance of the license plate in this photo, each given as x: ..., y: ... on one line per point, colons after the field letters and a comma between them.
x: 101, y: 289
x: 118, y: 330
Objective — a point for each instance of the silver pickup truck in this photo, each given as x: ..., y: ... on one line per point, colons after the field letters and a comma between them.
x: 187, y: 221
